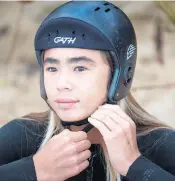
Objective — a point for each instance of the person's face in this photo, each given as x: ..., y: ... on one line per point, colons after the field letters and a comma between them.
x: 78, y: 74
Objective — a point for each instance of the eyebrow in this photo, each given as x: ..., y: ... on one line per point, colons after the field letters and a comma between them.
x: 70, y: 60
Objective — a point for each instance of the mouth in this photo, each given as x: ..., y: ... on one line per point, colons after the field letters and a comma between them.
x: 65, y: 100
x: 66, y: 105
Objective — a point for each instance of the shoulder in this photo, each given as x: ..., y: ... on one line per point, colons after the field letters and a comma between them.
x: 159, y: 147
x: 22, y: 136
x: 20, y: 126
x: 149, y: 140
x: 155, y: 138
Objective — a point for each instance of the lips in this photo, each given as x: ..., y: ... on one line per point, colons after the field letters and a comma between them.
x: 66, y: 103
x: 65, y: 100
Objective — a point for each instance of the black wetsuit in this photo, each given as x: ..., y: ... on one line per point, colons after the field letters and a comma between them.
x: 19, y: 141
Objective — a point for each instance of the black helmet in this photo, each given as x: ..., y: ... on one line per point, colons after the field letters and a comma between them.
x: 96, y: 25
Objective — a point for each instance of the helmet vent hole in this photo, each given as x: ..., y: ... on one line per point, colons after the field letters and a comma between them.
x: 97, y: 9
x: 83, y: 36
x: 116, y: 7
x: 73, y: 32
x: 57, y: 32
x: 49, y: 36
x: 106, y: 4
x: 107, y: 10
x: 128, y: 75
x: 128, y: 80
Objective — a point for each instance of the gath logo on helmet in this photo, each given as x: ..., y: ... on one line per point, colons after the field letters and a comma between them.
x: 130, y: 51
x: 64, y: 40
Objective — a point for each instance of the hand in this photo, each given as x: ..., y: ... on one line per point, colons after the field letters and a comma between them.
x: 64, y: 156
x: 119, y: 134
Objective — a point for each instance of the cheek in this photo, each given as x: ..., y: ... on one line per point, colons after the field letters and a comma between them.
x: 100, y: 80
x: 96, y: 85
x: 49, y: 86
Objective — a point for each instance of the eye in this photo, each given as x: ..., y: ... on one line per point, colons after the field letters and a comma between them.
x: 80, y: 69
x: 51, y: 69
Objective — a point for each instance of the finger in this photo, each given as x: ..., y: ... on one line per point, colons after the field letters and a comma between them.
x: 117, y: 109
x: 78, y: 136
x: 116, y: 117
x: 100, y: 126
x: 83, y: 145
x: 113, y: 121
x: 127, y: 127
x: 120, y: 117
x: 81, y: 166
x: 83, y: 156
x: 107, y: 120
x: 76, y: 147
x: 69, y: 136
x: 77, y: 169
x: 76, y: 159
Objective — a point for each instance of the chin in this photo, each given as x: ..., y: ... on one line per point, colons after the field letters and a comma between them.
x: 71, y: 117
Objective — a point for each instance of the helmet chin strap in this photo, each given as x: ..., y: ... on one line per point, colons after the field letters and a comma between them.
x: 79, y: 123
x: 75, y: 123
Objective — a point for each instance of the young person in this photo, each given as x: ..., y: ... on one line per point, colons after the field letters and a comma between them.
x: 94, y: 129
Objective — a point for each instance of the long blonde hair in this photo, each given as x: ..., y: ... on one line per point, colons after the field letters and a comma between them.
x: 145, y: 123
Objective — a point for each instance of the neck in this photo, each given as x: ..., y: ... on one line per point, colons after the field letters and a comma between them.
x: 94, y: 136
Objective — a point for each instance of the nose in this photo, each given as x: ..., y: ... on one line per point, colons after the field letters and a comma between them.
x: 63, y: 81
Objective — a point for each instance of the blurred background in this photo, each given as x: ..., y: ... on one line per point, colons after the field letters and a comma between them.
x: 154, y: 82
